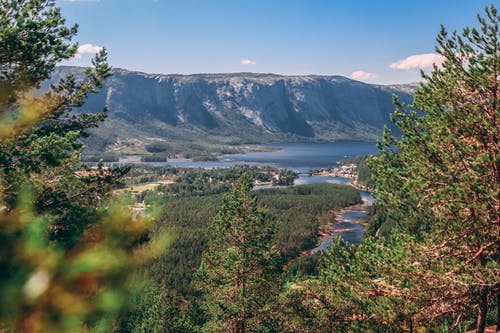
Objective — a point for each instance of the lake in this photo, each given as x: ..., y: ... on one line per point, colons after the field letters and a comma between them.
x: 300, y: 157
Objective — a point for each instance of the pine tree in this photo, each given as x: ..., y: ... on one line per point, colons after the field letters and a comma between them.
x: 40, y: 134
x: 65, y: 250
x: 440, y: 180
x: 437, y: 268
x: 239, y: 272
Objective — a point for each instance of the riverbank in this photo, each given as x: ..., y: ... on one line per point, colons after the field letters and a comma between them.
x: 359, y: 187
x: 347, y: 222
x: 346, y: 225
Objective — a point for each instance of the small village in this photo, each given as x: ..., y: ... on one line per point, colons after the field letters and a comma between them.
x: 344, y: 170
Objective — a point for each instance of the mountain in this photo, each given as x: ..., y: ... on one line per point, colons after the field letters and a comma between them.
x: 207, y: 112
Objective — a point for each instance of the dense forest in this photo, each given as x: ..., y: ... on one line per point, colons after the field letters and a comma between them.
x: 299, y: 212
x: 73, y: 258
x: 198, y: 181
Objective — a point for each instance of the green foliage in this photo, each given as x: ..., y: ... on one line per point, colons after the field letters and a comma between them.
x: 364, y: 174
x: 239, y: 272
x: 191, y: 181
x: 47, y: 288
x: 297, y: 211
x: 436, y: 268
x: 187, y: 219
x: 34, y: 39
x: 44, y: 153
x: 304, y: 266
x: 66, y: 252
x: 154, y: 311
x: 440, y: 181
x: 301, y: 210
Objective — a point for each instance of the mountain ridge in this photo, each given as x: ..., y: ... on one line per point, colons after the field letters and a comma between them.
x: 211, y: 111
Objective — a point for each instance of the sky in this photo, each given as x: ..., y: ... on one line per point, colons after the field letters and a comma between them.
x: 375, y: 41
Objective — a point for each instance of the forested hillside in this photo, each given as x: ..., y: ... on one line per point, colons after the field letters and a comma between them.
x: 209, y: 253
x: 173, y: 114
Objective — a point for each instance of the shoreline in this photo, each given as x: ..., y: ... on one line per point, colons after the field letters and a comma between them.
x: 216, y: 154
x: 325, y: 232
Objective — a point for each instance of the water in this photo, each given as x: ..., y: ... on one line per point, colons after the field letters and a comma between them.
x: 300, y: 157
x: 347, y: 224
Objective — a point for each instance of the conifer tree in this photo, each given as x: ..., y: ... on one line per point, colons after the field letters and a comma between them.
x: 438, y: 186
x: 239, y: 272
x: 65, y: 250
x: 40, y: 134
x: 440, y: 180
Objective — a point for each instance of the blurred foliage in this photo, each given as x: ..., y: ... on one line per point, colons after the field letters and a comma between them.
x: 66, y: 249
x: 46, y: 288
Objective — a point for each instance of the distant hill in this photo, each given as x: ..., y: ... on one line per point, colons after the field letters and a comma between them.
x: 207, y: 112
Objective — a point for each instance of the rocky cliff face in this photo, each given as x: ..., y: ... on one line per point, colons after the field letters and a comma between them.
x: 245, y: 107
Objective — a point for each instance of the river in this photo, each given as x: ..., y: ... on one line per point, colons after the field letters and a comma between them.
x: 347, y: 223
x: 301, y: 158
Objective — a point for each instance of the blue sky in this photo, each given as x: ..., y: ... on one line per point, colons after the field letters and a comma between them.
x: 376, y: 41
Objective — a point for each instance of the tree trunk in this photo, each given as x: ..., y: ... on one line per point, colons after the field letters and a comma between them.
x: 498, y: 311
x: 482, y: 311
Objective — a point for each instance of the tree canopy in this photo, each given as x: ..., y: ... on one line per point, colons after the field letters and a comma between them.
x: 440, y: 180
x: 239, y: 272
x: 432, y: 260
x: 65, y: 250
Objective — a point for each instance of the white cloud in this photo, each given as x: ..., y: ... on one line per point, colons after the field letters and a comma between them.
x: 89, y: 48
x: 362, y: 75
x: 86, y: 49
x: 248, y: 62
x: 425, y: 60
